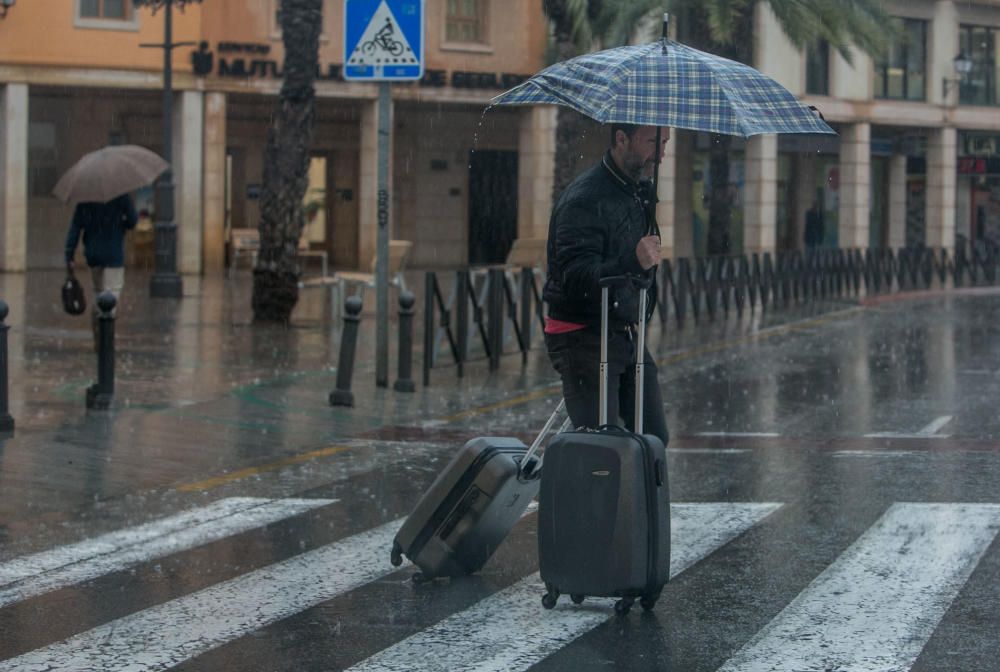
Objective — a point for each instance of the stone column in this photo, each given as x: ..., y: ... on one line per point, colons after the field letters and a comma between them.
x: 667, y: 195
x: 214, y: 184
x: 943, y: 48
x: 368, y: 185
x: 855, y: 185
x: 188, y: 153
x: 942, y: 167
x: 535, y: 167
x: 13, y: 177
x: 760, y: 209
x: 897, y: 201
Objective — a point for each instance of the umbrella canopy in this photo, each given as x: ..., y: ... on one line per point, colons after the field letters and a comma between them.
x: 666, y: 83
x: 109, y: 172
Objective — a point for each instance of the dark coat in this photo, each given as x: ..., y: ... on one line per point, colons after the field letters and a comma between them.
x: 594, y: 230
x: 103, y: 226
x: 814, y: 228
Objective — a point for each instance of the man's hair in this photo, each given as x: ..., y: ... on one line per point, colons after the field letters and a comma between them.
x: 628, y: 129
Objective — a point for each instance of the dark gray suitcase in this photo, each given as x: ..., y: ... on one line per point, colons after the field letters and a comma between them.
x: 604, y: 506
x: 471, y: 506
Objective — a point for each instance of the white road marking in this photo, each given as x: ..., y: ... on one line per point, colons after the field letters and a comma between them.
x: 876, y: 453
x: 708, y: 451
x: 740, y: 434
x: 162, y: 636
x: 928, y: 432
x: 877, y: 605
x: 511, y: 631
x: 31, y: 575
x: 173, y: 632
x: 935, y: 426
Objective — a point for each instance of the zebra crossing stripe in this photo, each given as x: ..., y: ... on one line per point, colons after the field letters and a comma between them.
x: 170, y: 633
x: 878, y: 604
x: 511, y: 631
x: 32, y: 575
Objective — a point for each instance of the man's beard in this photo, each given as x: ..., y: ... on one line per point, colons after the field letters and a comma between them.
x: 635, y: 168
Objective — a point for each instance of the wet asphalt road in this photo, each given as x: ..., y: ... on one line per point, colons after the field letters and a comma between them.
x: 835, y: 481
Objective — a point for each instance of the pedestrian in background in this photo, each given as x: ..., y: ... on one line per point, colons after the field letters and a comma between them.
x: 103, y: 226
x: 814, y: 226
x: 603, y: 225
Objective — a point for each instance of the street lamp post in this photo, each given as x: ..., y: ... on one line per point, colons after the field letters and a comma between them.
x: 962, y: 65
x: 166, y: 282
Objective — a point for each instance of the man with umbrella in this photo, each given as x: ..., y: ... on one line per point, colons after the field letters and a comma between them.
x: 603, y: 225
x: 103, y: 226
x: 99, y: 183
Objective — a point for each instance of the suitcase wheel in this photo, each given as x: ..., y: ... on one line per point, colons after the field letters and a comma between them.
x: 397, y: 554
x: 624, y: 605
x: 550, y: 597
x: 649, y: 601
x: 419, y: 578
x: 578, y: 599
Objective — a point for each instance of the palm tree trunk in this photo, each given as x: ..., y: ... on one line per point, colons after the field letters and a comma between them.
x: 570, y: 125
x: 720, y: 207
x: 570, y: 128
x: 286, y: 165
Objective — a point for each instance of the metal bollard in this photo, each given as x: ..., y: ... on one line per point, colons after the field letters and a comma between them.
x: 404, y: 383
x: 6, y: 421
x: 99, y: 396
x: 494, y: 302
x: 342, y: 395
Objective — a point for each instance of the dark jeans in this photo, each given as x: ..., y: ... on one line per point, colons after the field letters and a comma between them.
x: 577, y: 357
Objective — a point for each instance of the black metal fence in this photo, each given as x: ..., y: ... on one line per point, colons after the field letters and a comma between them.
x: 503, y: 303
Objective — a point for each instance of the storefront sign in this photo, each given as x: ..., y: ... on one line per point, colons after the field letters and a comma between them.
x: 242, y: 61
x: 979, y: 165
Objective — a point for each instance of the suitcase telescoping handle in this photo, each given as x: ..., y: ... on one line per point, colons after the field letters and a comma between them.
x: 642, y: 284
x: 537, y: 443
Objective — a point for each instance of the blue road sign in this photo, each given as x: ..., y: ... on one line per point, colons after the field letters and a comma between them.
x: 383, y: 39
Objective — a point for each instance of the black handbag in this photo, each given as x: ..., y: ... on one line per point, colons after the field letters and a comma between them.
x: 73, y: 298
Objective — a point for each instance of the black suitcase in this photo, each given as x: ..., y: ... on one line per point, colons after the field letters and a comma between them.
x: 471, y: 506
x: 604, y: 509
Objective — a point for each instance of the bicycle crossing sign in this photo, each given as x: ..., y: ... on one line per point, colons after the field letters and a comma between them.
x: 383, y: 39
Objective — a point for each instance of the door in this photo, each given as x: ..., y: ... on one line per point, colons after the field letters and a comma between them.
x: 492, y: 205
x: 342, y: 211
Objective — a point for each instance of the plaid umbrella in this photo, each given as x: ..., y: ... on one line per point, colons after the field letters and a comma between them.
x: 666, y: 83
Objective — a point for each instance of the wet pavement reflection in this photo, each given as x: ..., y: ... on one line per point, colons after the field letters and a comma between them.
x: 175, y: 530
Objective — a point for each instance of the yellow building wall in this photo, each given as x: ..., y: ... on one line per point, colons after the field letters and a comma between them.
x: 45, y: 32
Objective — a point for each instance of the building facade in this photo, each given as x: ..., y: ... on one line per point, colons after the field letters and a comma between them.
x: 917, y: 159
x: 74, y: 77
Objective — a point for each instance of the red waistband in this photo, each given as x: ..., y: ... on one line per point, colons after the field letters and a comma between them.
x: 553, y: 326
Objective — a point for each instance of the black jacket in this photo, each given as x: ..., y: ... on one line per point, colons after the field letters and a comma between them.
x: 103, y: 226
x: 594, y: 230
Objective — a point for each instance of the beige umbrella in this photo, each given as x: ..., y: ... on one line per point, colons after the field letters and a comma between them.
x: 109, y: 172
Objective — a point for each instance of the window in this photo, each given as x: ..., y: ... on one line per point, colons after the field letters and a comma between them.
x: 118, y: 10
x: 465, y: 21
x: 818, y: 69
x: 902, y: 75
x: 978, y: 44
x: 43, y: 159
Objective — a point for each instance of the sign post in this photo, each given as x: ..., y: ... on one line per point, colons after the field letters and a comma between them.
x: 383, y: 42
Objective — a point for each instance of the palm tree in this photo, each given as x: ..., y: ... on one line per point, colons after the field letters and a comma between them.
x: 723, y: 27
x: 286, y: 165
x: 574, y: 24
